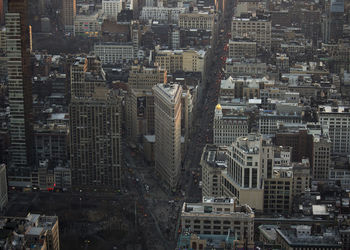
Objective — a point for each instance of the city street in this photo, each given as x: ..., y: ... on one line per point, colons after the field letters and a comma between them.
x: 161, y: 209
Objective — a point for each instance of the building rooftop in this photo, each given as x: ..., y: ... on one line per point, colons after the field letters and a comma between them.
x: 35, y: 231
x: 249, y: 144
x: 218, y: 200
x: 14, y: 231
x: 212, y: 241
x: 215, y: 156
x: 217, y: 206
x: 331, y: 109
x: 269, y: 231
x: 168, y: 90
x: 300, y: 236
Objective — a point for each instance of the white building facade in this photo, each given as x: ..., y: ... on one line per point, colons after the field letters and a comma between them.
x: 161, y: 14
x: 338, y: 120
x: 111, y: 53
x: 228, y: 126
x: 111, y: 8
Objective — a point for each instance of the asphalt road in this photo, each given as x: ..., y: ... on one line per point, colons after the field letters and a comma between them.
x: 203, y: 133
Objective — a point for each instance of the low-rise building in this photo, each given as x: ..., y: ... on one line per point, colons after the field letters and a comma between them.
x: 270, y: 120
x: 88, y: 25
x: 219, y: 216
x: 177, y: 60
x: 161, y: 14
x: 34, y: 231
x: 112, y: 53
x: 239, y: 48
x: 188, y: 240
x: 51, y: 142
x: 239, y: 67
x: 258, y: 30
x: 228, y: 125
x: 302, y: 237
x: 200, y: 20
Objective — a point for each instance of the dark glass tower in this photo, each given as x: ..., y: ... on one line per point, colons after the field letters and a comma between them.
x: 20, y: 86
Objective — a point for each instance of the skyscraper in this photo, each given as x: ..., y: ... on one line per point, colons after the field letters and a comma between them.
x: 167, y: 154
x: 333, y: 21
x: 69, y: 11
x: 95, y: 127
x: 140, y: 100
x: 2, y: 12
x: 19, y: 84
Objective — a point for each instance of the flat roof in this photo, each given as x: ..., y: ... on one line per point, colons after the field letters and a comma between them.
x: 35, y: 231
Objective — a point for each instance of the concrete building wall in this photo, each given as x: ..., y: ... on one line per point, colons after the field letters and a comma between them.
x: 201, y: 21
x: 257, y: 30
x: 167, y: 110
x: 3, y: 187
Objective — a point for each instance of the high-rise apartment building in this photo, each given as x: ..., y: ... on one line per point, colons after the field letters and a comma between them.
x: 167, y: 110
x: 95, y: 128
x: 69, y: 11
x: 19, y: 85
x: 111, y: 8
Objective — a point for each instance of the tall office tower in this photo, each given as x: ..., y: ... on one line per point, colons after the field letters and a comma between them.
x: 2, y: 12
x: 95, y: 129
x: 333, y: 21
x: 19, y: 85
x: 83, y: 70
x: 69, y: 11
x: 167, y: 154
x: 337, y: 19
x: 111, y: 8
x: 140, y: 100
